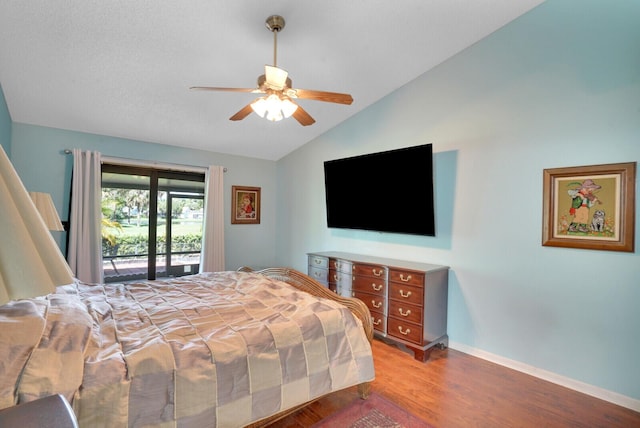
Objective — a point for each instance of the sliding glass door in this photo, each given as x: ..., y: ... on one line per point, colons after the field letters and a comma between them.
x: 152, y: 222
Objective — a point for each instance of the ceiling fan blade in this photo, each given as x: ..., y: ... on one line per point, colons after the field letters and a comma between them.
x: 244, y: 112
x: 276, y: 77
x: 213, y: 88
x: 330, y: 97
x: 303, y: 117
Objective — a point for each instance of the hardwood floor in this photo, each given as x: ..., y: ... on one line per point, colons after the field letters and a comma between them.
x: 453, y: 389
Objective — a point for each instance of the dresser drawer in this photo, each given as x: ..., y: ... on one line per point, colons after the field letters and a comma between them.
x: 340, y: 282
x: 340, y: 265
x: 319, y: 274
x: 374, y: 302
x: 379, y: 322
x: 406, y: 277
x: 370, y: 284
x: 337, y: 276
x: 319, y: 262
x: 406, y: 293
x: 377, y: 271
x: 405, y: 311
x: 404, y: 330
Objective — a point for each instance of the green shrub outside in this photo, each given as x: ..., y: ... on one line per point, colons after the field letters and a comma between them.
x: 138, y: 244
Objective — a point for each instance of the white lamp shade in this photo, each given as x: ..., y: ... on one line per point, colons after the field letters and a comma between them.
x: 288, y: 107
x: 47, y: 210
x: 259, y: 106
x: 31, y: 263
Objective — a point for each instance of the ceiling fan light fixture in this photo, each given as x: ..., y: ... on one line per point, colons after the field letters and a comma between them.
x: 273, y: 108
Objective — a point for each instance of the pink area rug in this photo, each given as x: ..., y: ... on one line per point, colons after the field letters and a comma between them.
x: 376, y: 411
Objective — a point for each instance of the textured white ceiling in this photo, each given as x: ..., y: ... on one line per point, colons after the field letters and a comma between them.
x: 123, y: 68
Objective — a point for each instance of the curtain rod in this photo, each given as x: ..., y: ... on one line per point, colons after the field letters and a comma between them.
x: 162, y: 165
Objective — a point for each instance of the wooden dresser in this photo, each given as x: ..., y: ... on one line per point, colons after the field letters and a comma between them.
x: 407, y: 300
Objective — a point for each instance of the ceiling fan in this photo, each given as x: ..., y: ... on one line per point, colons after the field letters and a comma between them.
x: 277, y: 86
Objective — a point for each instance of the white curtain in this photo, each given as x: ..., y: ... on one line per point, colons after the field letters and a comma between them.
x: 31, y: 263
x: 85, y: 222
x: 212, y: 254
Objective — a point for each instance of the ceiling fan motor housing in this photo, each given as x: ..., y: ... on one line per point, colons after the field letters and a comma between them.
x: 275, y: 23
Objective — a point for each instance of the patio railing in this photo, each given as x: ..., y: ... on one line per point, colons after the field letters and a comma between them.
x: 135, y: 266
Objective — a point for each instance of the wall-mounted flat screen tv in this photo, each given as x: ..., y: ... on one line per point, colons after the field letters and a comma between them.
x: 390, y: 191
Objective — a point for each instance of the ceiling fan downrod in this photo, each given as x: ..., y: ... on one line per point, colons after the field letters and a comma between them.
x: 275, y: 24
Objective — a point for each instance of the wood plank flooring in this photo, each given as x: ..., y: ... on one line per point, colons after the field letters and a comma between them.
x: 453, y: 389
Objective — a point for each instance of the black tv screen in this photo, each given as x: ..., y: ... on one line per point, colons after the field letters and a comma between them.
x: 389, y: 191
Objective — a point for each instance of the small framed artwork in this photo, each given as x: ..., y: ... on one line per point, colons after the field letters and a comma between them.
x: 590, y: 207
x: 245, y: 205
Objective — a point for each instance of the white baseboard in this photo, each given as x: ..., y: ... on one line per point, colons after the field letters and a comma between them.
x: 594, y: 391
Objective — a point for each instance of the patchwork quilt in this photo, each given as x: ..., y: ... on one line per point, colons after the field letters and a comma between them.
x: 218, y: 349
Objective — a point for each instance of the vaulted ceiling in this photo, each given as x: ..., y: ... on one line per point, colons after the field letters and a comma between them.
x: 124, y: 68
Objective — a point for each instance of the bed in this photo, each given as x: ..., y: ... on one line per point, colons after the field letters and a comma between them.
x: 224, y: 349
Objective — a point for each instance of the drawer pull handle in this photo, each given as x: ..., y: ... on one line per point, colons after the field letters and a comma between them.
x: 335, y: 277
x: 377, y: 321
x: 402, y: 278
x: 336, y: 265
x: 404, y: 313
x: 405, y: 295
x: 317, y: 261
x: 377, y: 306
x: 404, y: 332
x: 378, y: 273
x: 376, y: 287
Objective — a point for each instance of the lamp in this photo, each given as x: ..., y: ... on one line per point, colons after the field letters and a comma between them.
x: 31, y: 263
x: 47, y: 210
x: 274, y: 108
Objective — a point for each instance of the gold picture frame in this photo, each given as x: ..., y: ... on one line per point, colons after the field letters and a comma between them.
x: 245, y: 205
x: 590, y: 207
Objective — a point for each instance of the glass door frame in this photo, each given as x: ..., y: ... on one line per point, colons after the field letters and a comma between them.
x: 171, y: 195
x: 155, y: 175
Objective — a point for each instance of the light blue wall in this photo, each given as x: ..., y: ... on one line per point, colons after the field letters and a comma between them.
x: 38, y: 156
x: 5, y: 125
x: 558, y: 87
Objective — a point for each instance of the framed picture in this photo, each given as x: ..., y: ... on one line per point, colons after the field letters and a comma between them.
x: 245, y: 205
x: 590, y: 207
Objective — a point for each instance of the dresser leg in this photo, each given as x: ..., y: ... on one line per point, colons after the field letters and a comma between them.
x: 421, y: 354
